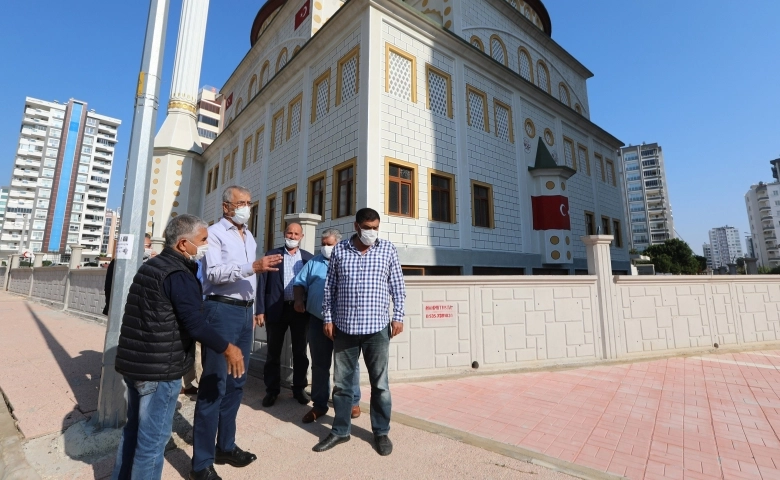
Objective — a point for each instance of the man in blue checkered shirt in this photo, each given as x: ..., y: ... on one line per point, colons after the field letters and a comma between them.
x: 363, y: 274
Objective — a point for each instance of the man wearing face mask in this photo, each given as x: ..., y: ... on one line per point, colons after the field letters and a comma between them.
x: 148, y: 251
x: 363, y: 274
x: 308, y: 287
x: 275, y: 304
x: 229, y: 272
x: 161, y: 321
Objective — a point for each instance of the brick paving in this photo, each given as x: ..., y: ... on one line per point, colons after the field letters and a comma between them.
x: 706, y: 417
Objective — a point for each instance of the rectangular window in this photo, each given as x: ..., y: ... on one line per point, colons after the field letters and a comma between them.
x: 254, y: 218
x: 246, y: 158
x: 476, y: 103
x: 582, y: 158
x: 233, y: 156
x: 294, y: 116
x: 54, y: 142
x: 439, y: 91
x: 84, y: 159
x: 590, y: 224
x: 401, y: 194
x: 270, y: 222
x: 277, y: 125
x: 51, y: 152
x: 320, y: 96
x: 348, y: 76
x: 600, y: 165
x: 48, y: 172
x: 208, y: 181
x: 442, y: 201
x: 74, y: 217
x: 259, y: 143
x: 568, y: 153
x: 605, y: 226
x: 502, y: 118
x: 482, y: 204
x: 400, y: 73
x: 288, y: 203
x: 91, y: 121
x: 225, y: 168
x: 317, y: 194
x: 618, y: 233
x: 611, y: 173
x: 55, y: 132
x: 216, y: 177
x: 343, y: 196
x: 77, y: 207
x: 86, y: 149
x: 81, y: 188
x: 86, y: 141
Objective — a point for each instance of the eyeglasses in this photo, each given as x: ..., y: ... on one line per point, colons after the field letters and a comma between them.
x: 240, y: 204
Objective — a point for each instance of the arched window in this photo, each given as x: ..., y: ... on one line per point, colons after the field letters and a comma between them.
x: 498, y: 50
x: 239, y: 106
x: 477, y: 43
x: 542, y: 76
x: 252, y: 87
x: 577, y: 108
x: 524, y: 62
x: 295, y: 50
x: 264, y: 74
x: 563, y: 94
x: 281, y: 61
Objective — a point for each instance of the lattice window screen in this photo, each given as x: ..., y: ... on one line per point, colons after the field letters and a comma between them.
x: 568, y: 154
x: 323, y: 90
x: 525, y: 66
x: 349, y: 79
x: 476, y: 43
x: 497, y: 50
x: 563, y: 94
x: 400, y: 76
x: 282, y: 60
x: 476, y: 111
x: 295, y: 119
x: 278, y: 127
x: 582, y: 159
x: 541, y: 76
x: 260, y: 146
x: 502, y: 123
x: 437, y: 93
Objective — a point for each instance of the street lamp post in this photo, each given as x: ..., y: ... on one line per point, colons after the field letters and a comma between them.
x: 112, y: 407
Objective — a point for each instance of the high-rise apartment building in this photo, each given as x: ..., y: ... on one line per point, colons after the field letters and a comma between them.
x: 725, y: 246
x: 763, y: 208
x: 3, y: 201
x: 110, y: 232
x: 646, y: 195
x: 208, y: 115
x: 707, y: 252
x: 750, y: 249
x: 60, y: 177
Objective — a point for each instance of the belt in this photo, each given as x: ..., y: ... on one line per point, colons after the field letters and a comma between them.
x: 230, y: 300
x: 288, y: 303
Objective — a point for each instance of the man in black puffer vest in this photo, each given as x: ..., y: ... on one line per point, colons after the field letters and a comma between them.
x: 163, y: 317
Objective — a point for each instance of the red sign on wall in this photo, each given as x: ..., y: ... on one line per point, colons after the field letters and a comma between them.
x: 229, y: 101
x: 302, y: 14
x: 551, y: 212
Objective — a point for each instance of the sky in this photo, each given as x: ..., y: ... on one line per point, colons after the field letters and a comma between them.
x: 698, y: 77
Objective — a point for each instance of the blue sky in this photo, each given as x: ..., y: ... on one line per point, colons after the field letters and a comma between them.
x: 700, y: 78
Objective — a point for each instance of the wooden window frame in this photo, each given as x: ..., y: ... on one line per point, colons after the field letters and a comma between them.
x: 265, y: 68
x: 606, y: 222
x: 470, y: 89
x: 617, y: 231
x: 600, y: 161
x: 252, y: 82
x: 298, y: 99
x: 430, y: 68
x: 239, y: 106
x: 269, y: 222
x: 225, y: 167
x: 247, y: 151
x: 292, y: 188
x: 503, y: 47
x: 453, y: 197
x: 577, y: 108
x: 278, y: 114
x: 547, y: 88
x: 568, y: 93
x: 530, y: 65
x: 511, y: 126
x: 611, y: 166
x: 573, y: 151
x: 254, y: 218
x: 296, y: 50
x: 415, y: 191
x: 310, y: 192
x: 314, y: 89
x: 258, y: 133
x: 334, y: 198
x: 479, y: 40
x: 216, y: 177
x: 209, y: 180
x: 593, y: 218
x: 233, y: 156
x: 355, y: 52
x: 389, y: 48
x: 587, y: 157
x: 491, y: 208
x: 279, y: 58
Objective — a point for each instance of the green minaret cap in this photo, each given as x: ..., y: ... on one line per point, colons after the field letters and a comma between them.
x: 543, y: 157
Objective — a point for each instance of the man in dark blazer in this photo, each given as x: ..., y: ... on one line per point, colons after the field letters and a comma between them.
x: 275, y: 307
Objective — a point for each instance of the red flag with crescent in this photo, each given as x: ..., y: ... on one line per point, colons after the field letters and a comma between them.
x: 302, y: 14
x: 551, y: 212
x: 229, y: 101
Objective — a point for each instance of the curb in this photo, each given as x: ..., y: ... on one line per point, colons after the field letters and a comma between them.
x: 13, y: 463
x: 518, y: 453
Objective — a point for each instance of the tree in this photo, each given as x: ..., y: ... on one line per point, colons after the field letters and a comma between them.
x: 674, y: 256
x: 702, y: 262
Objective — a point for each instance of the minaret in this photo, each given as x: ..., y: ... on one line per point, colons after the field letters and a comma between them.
x: 177, y: 170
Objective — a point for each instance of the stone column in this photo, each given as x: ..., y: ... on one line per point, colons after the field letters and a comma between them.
x: 14, y: 262
x: 751, y: 266
x: 38, y: 262
x: 732, y: 268
x: 723, y: 270
x: 75, y: 263
x: 157, y: 244
x: 600, y: 265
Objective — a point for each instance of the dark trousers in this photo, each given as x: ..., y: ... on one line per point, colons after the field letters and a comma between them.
x: 275, y: 329
x: 219, y: 395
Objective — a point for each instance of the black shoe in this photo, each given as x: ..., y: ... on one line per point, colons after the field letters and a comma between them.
x: 384, y: 446
x: 330, y: 442
x: 269, y: 400
x: 236, y: 458
x: 302, y: 398
x: 207, y: 473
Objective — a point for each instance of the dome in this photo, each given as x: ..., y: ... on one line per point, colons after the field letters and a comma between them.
x: 535, y: 11
x: 263, y: 18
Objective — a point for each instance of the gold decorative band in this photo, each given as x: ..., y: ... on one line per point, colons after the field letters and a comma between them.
x: 181, y: 105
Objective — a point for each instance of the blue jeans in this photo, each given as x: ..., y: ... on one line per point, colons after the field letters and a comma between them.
x: 347, y: 349
x: 321, y: 349
x: 150, y: 409
x: 219, y: 395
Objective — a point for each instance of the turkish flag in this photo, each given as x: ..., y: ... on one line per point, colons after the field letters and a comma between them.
x: 229, y: 101
x: 551, y: 212
x: 302, y: 14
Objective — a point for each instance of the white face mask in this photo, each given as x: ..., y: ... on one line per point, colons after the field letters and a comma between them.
x: 241, y: 216
x: 202, y: 249
x: 326, y: 250
x: 368, y: 237
x: 290, y: 243
x: 147, y: 252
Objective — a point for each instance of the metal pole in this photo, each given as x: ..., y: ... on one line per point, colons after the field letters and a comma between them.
x: 112, y: 407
